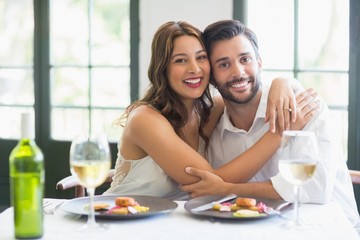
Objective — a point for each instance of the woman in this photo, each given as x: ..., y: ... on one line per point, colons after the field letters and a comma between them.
x: 169, y: 128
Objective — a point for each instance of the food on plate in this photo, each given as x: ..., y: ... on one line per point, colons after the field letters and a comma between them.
x: 245, y: 202
x: 124, y: 210
x: 247, y: 213
x: 119, y: 210
x: 101, y: 206
x: 243, y: 207
x: 125, y: 201
x: 123, y: 206
x: 141, y: 208
x: 127, y: 205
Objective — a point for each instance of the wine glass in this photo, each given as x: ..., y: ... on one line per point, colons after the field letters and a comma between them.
x: 299, y: 155
x: 90, y: 162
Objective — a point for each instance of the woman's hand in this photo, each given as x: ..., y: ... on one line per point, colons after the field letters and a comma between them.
x: 208, y: 184
x: 308, y: 105
x: 281, y: 106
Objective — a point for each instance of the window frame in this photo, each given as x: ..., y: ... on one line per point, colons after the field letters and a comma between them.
x: 56, y: 151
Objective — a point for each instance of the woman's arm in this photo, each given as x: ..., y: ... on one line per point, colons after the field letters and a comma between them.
x: 241, y: 169
x: 308, y: 106
x: 211, y: 184
x: 281, y: 96
x: 153, y: 135
x: 147, y: 132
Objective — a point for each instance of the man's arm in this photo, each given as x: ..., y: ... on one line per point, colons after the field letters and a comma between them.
x: 211, y: 184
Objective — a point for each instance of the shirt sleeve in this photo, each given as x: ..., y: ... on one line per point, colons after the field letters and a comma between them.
x: 319, y: 188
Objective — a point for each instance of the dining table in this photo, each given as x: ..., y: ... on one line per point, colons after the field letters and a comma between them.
x: 326, y: 221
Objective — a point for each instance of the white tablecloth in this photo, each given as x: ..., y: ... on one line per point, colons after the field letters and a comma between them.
x: 329, y: 221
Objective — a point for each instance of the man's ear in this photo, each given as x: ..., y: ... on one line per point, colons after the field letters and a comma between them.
x: 259, y: 61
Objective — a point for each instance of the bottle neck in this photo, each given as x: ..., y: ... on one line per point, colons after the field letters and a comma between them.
x: 27, y: 126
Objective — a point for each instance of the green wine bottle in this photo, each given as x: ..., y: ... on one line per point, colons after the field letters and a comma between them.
x: 27, y: 183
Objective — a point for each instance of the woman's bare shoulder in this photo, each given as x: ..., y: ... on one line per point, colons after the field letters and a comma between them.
x: 144, y: 111
x: 145, y: 116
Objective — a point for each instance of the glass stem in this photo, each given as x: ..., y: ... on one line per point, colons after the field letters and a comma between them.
x: 91, y: 218
x: 296, y: 205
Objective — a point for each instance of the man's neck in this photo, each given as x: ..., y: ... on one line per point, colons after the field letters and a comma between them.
x: 242, y: 115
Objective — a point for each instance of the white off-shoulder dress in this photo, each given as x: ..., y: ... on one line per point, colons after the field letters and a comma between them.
x: 145, y: 177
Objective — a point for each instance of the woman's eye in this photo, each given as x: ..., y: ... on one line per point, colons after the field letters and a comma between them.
x: 202, y: 57
x: 180, y: 60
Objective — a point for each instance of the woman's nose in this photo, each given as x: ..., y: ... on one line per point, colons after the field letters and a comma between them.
x: 193, y: 67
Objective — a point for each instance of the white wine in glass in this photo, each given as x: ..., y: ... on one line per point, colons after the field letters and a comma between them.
x: 297, y: 164
x: 90, y: 162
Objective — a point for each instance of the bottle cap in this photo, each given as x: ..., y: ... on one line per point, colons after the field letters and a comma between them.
x: 27, y: 126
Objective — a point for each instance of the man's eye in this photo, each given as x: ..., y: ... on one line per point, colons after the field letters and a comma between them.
x: 246, y: 59
x: 223, y: 65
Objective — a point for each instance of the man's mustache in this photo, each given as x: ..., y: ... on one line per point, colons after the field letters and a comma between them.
x: 238, y: 80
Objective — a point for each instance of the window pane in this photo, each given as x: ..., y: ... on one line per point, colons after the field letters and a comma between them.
x: 69, y: 32
x: 111, y: 33
x: 16, y: 61
x: 334, y: 88
x: 70, y: 86
x: 273, y: 23
x: 322, y: 29
x: 16, y: 31
x: 11, y: 124
x: 67, y: 123
x: 106, y: 121
x: 111, y: 87
x: 91, y: 56
x: 17, y: 86
x: 270, y: 75
x: 324, y: 43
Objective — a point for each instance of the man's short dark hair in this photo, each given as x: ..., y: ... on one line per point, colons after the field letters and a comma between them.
x: 227, y: 29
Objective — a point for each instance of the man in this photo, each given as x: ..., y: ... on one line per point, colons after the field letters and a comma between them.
x: 236, y: 67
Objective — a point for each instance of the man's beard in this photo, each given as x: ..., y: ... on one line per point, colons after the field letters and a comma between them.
x: 226, y: 93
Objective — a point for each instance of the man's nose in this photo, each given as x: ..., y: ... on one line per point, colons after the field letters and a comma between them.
x: 238, y: 70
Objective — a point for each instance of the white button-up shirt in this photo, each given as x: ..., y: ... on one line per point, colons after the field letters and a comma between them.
x: 331, y: 181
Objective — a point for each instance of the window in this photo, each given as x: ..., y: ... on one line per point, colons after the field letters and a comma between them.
x: 68, y: 61
x: 86, y: 64
x: 16, y: 64
x: 90, y: 65
x: 295, y: 40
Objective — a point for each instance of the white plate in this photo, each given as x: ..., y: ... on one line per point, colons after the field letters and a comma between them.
x: 196, y: 202
x: 156, y: 206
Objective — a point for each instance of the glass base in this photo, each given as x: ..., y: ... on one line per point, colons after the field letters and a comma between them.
x: 93, y: 228
x: 293, y: 225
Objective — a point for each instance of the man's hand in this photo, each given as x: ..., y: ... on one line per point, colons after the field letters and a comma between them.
x: 208, y: 184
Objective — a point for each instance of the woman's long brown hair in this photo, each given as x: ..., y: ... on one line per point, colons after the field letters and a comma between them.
x: 160, y: 95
